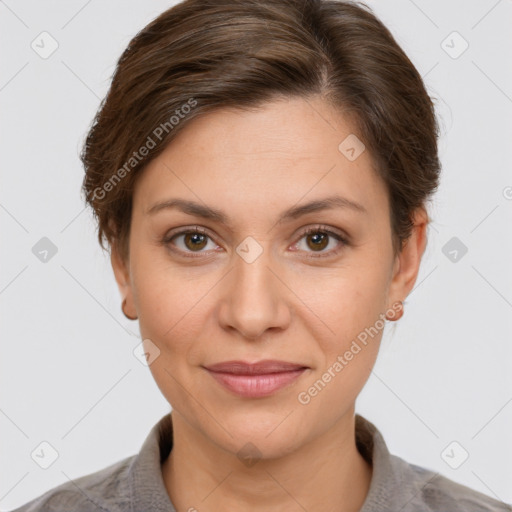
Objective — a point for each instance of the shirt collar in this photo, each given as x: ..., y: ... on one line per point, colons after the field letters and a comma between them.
x: 147, y: 486
x: 389, y: 473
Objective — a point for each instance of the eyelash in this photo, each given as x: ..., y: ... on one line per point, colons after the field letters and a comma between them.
x: 326, y: 231
x: 313, y: 230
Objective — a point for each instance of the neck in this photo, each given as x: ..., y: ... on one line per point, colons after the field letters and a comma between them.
x: 327, y: 474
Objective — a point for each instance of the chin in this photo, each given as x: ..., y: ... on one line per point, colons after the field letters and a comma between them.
x: 269, y: 434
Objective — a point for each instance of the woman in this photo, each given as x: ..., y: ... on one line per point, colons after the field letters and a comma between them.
x: 260, y: 172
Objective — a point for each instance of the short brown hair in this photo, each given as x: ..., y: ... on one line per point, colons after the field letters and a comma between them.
x: 202, y: 55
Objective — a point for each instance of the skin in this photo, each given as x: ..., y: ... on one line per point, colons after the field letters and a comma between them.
x: 216, y: 307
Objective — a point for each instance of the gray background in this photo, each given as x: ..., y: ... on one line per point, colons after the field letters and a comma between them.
x: 68, y: 374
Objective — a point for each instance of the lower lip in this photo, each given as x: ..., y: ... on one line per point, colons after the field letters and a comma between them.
x: 255, y: 386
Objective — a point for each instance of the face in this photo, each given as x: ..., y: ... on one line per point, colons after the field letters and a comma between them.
x: 264, y: 278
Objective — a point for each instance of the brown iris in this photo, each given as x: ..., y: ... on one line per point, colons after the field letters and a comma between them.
x: 197, y: 241
x: 320, y: 240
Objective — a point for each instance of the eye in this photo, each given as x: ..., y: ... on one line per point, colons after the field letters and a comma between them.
x: 317, y: 238
x: 190, y: 241
x: 313, y: 240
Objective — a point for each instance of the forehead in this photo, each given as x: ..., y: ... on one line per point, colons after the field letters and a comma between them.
x: 287, y: 127
x: 282, y: 152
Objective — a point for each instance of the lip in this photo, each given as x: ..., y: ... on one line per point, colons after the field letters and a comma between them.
x: 254, y: 380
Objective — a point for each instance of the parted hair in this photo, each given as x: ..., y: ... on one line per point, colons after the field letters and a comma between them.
x: 203, y: 55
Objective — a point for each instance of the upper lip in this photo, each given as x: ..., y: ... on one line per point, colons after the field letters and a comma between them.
x: 258, y: 368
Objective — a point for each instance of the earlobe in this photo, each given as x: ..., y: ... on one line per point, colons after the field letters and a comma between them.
x: 127, y: 315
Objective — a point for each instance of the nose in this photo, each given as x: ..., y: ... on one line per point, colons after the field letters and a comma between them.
x: 254, y: 299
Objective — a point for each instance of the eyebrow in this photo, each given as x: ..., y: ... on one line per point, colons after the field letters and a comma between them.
x: 208, y: 212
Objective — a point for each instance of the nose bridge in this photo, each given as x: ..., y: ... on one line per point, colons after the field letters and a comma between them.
x: 253, y: 301
x: 254, y: 277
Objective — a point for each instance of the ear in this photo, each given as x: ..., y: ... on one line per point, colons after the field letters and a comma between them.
x: 121, y: 269
x: 407, y: 261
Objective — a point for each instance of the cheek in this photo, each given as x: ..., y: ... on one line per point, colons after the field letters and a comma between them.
x: 353, y: 308
x: 168, y: 305
x: 346, y: 300
x: 171, y: 308
x: 351, y: 303
x: 174, y: 306
x: 158, y: 293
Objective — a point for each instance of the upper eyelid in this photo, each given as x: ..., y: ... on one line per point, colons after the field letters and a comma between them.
x: 324, y: 229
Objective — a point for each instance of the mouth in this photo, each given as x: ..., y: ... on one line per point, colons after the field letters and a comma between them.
x: 255, y: 380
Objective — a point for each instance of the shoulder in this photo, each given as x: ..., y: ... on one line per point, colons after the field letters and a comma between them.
x: 102, y: 491
x: 399, y: 485
x: 431, y: 491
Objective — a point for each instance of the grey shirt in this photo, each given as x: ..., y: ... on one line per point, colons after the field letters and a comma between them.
x: 135, y: 484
